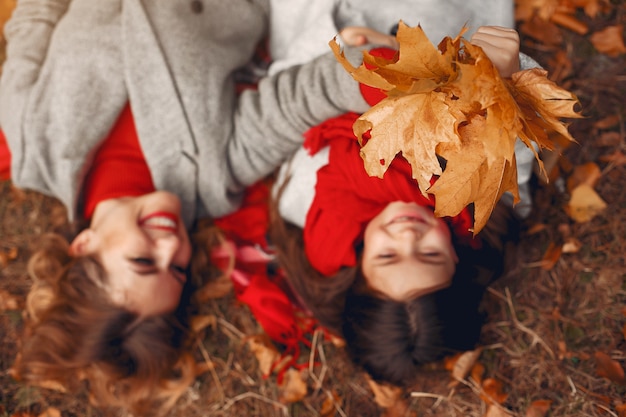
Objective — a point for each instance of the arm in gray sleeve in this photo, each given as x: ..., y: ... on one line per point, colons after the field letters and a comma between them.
x: 28, y: 35
x: 270, y: 122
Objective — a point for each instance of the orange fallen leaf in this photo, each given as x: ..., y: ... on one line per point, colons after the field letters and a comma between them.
x: 609, y: 368
x: 538, y: 408
x: 450, y: 102
x: 203, y: 367
x: 462, y: 364
x: 8, y: 301
x: 492, y: 391
x: 551, y: 257
x: 293, y: 387
x: 570, y: 22
x: 584, y: 204
x: 328, y: 406
x: 609, y: 41
x: 621, y: 410
x: 7, y: 256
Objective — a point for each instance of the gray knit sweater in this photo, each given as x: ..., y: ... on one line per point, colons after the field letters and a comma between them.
x: 72, y: 65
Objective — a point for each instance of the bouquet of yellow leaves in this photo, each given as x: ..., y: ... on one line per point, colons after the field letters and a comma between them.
x: 450, y: 102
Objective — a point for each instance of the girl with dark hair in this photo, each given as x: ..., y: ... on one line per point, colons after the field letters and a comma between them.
x: 370, y: 260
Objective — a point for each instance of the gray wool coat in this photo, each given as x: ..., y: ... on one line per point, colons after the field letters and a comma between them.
x: 72, y: 65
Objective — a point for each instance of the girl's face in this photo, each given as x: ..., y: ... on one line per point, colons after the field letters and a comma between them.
x: 144, y: 248
x: 407, y: 252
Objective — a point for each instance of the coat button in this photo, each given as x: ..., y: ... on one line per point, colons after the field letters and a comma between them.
x: 197, y: 6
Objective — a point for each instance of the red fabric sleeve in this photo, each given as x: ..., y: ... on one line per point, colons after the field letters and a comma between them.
x: 5, y: 158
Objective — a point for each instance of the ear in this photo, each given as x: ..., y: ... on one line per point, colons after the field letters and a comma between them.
x: 84, y: 243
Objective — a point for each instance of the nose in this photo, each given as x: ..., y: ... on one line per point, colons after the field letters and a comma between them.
x: 169, y: 248
x: 407, y: 238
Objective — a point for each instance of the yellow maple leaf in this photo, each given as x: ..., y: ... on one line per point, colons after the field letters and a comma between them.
x: 450, y: 115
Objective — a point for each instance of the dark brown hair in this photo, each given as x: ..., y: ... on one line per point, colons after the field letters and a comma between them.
x: 76, y: 336
x: 389, y: 339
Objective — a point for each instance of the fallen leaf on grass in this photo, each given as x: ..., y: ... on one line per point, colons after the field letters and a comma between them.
x: 8, y: 301
x: 264, y: 351
x: 609, y: 41
x: 551, y: 257
x: 328, y: 406
x: 293, y: 387
x: 538, y: 408
x: 584, y: 204
x: 385, y: 395
x: 492, y: 391
x: 621, y: 410
x: 495, y: 411
x: 7, y: 256
x: 450, y: 102
x: 616, y: 158
x: 51, y: 412
x: 607, y: 122
x: 572, y: 245
x: 609, y: 368
x: 588, y: 174
x: 201, y: 322
x: 460, y: 365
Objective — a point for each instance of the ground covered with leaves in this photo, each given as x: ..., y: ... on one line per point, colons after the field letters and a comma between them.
x: 554, y: 340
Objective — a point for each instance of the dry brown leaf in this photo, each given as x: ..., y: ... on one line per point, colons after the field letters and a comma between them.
x: 8, y: 301
x: 570, y: 22
x: 609, y: 368
x: 492, y: 391
x: 584, y: 204
x: 450, y: 102
x: 609, y: 41
x: 293, y: 387
x: 203, y: 367
x: 608, y: 139
x: 399, y: 409
x: 524, y: 10
x: 588, y: 173
x: 201, y: 322
x: 572, y: 245
x: 51, y: 412
x: 328, y: 406
x: 621, y: 410
x: 616, y: 158
x: 462, y: 364
x: 385, y: 395
x: 608, y: 122
x: 264, y: 351
x: 551, y: 257
x: 6, y: 256
x: 538, y: 408
x: 496, y: 411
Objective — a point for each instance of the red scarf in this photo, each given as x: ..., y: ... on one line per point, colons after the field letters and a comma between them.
x: 347, y: 198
